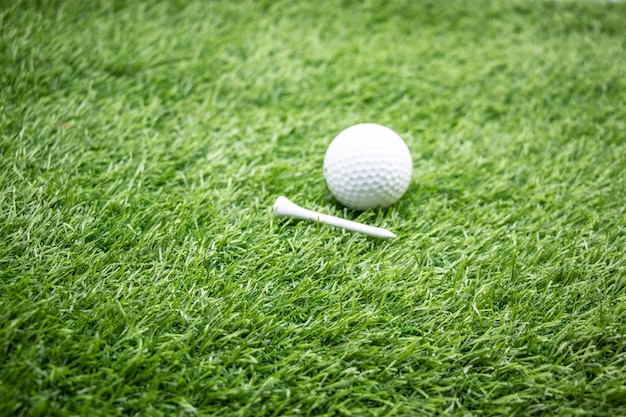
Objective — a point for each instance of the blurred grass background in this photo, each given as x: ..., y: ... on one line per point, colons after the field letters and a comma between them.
x: 142, y: 144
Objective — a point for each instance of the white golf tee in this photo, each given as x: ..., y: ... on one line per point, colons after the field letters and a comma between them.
x: 283, y: 207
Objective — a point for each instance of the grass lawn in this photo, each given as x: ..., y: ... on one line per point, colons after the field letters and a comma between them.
x: 143, y: 143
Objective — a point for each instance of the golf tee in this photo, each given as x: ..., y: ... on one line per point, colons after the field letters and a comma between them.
x: 284, y: 207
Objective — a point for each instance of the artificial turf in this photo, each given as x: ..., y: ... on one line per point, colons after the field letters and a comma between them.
x: 142, y: 273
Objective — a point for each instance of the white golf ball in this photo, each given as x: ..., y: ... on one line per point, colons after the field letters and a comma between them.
x: 366, y: 166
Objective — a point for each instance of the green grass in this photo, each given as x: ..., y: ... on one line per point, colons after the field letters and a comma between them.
x: 142, y: 273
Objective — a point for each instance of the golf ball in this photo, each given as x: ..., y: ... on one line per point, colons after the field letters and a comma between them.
x: 366, y: 166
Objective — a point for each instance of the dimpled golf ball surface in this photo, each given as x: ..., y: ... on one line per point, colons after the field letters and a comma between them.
x: 367, y: 166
